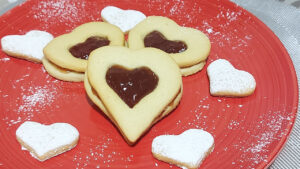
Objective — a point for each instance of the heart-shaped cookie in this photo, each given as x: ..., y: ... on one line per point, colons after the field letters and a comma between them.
x: 187, y: 46
x: 61, y: 73
x: 69, y: 52
x: 124, y: 19
x: 188, y: 149
x: 46, y: 141
x: 133, y: 87
x: 225, y: 80
x: 29, y: 46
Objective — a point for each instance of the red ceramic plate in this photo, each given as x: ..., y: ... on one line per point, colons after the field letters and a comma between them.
x: 249, y: 132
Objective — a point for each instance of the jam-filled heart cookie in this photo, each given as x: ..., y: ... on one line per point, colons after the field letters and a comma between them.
x: 134, y: 88
x: 67, y: 54
x: 189, y: 47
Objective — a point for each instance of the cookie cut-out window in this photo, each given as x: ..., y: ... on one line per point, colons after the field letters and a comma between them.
x: 131, y: 85
x: 83, y: 50
x: 157, y: 40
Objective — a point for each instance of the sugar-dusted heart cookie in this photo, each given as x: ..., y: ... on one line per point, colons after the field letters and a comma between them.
x: 124, y: 19
x: 67, y: 54
x: 46, y: 141
x: 134, y: 88
x: 187, y: 150
x: 225, y: 80
x: 187, y: 46
x: 29, y: 46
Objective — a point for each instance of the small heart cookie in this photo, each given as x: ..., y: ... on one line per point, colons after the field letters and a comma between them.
x: 124, y: 19
x: 225, y: 80
x: 188, y: 149
x: 29, y: 46
x: 46, y: 141
x: 69, y: 52
x: 132, y: 87
x: 187, y: 46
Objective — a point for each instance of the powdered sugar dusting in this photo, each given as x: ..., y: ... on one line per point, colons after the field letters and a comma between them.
x: 209, y: 30
x: 64, y: 13
x: 255, y: 152
x: 124, y: 19
x: 190, y: 147
x: 177, y: 7
x: 4, y: 60
x: 273, y: 126
x: 101, y: 154
x: 39, y: 97
x: 31, y: 100
x: 225, y: 79
x: 61, y: 9
x: 30, y: 45
x: 224, y: 34
x: 44, y: 138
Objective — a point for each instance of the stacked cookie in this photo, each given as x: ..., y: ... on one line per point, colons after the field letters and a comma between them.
x: 66, y: 55
x: 131, y: 85
x: 189, y: 47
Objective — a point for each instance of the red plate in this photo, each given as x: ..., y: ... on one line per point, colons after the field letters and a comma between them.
x: 249, y: 132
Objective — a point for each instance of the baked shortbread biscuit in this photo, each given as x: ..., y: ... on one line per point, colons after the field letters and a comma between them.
x: 134, y: 88
x: 225, y: 80
x: 69, y: 52
x: 187, y: 46
x: 124, y: 19
x: 61, y: 73
x: 186, y: 150
x: 46, y: 141
x: 92, y: 94
x: 29, y: 46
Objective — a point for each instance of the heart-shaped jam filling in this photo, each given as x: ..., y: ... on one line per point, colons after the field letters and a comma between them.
x: 131, y: 85
x: 83, y: 50
x: 158, y: 40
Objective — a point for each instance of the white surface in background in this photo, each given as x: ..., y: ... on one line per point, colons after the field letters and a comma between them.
x: 284, y: 21
x: 12, y: 1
